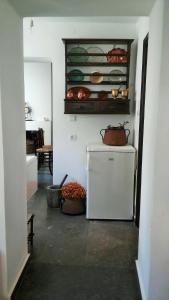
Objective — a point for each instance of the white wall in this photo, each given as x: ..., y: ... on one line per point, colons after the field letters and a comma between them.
x: 37, y: 77
x: 3, y: 266
x: 143, y: 29
x: 153, y: 258
x: 45, y: 40
x: 13, y: 141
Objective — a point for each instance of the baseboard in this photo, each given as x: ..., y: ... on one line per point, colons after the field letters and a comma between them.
x: 140, y: 281
x: 18, y: 276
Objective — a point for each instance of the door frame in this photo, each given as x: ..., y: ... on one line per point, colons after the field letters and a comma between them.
x: 141, y: 130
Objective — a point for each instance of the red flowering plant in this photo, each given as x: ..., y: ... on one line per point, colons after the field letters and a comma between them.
x: 73, y: 191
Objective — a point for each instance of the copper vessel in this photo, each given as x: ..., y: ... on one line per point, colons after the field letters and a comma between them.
x: 115, y: 136
x: 115, y: 93
x: 124, y: 93
x: 117, y: 55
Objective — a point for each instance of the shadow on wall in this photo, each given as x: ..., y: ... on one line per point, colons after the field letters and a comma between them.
x: 2, y: 297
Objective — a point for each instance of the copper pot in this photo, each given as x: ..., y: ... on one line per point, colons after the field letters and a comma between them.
x: 69, y: 94
x: 113, y: 56
x: 81, y: 94
x: 115, y: 136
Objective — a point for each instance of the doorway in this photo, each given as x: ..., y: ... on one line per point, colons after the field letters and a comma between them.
x: 38, y: 119
x: 141, y: 129
x: 38, y: 96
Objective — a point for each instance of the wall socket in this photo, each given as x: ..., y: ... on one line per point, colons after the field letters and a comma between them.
x: 73, y: 137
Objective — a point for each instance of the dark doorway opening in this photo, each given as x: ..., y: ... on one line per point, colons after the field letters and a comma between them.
x: 141, y: 129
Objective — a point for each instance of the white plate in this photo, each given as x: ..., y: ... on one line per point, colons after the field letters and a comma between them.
x: 116, y: 78
x: 78, y: 58
x: 96, y: 78
x: 97, y: 50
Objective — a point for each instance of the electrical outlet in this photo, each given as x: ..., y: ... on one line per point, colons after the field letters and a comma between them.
x: 73, y: 137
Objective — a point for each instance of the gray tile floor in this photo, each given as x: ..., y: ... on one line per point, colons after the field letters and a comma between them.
x: 77, y: 259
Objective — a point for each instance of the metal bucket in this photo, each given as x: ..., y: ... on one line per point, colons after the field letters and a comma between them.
x: 53, y: 196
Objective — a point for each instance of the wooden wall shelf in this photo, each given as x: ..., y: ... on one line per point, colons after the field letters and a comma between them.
x: 78, y: 61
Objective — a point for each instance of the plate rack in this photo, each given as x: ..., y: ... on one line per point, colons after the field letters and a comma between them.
x: 81, y: 61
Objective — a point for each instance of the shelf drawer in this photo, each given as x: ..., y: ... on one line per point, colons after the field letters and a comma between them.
x: 115, y: 107
x: 97, y: 107
x: 80, y: 107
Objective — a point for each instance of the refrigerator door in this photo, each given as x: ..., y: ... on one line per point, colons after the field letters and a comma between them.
x: 110, y: 184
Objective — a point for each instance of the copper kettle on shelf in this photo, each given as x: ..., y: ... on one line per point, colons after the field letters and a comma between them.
x: 115, y: 136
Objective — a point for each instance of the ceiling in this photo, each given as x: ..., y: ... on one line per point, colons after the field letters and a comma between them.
x: 69, y: 8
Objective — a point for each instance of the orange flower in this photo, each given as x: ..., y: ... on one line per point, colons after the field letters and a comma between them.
x: 73, y: 191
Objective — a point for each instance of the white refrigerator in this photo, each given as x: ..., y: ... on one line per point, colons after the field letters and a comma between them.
x: 110, y: 182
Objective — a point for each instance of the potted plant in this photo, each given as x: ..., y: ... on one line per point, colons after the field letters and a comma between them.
x: 74, y: 196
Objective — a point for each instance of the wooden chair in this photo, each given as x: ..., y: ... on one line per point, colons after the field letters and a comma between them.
x: 34, y: 140
x: 44, y: 153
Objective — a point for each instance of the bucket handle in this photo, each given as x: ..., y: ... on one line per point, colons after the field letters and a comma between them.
x: 63, y: 180
x: 101, y: 132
